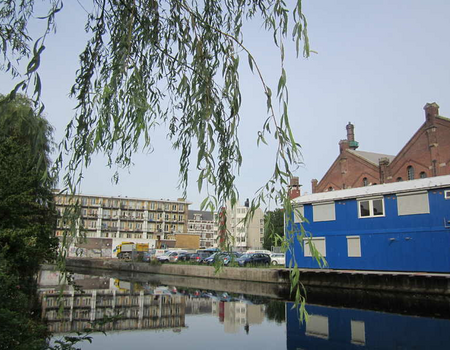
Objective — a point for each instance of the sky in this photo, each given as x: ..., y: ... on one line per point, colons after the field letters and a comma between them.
x: 377, y: 64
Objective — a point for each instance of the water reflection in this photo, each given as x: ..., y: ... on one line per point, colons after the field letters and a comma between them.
x: 175, y: 316
x: 336, y: 328
x: 139, y: 306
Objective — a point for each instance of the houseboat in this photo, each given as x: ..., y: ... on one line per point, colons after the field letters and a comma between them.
x: 402, y: 226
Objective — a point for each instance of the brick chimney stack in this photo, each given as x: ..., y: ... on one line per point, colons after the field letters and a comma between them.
x: 314, y: 183
x: 431, y: 111
x: 352, y: 144
x: 343, y: 145
x: 294, y: 188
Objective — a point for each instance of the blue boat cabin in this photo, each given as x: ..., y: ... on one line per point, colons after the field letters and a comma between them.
x: 403, y: 226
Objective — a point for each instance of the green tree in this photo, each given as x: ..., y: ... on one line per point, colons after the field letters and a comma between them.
x: 27, y: 220
x: 273, y: 229
x: 168, y: 62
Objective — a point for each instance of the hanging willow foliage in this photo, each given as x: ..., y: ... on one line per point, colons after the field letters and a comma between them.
x: 149, y: 62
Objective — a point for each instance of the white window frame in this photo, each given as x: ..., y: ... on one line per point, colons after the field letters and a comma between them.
x: 357, y: 252
x: 317, y: 326
x: 307, y: 250
x: 358, y: 331
x: 316, y: 207
x: 416, y: 203
x: 370, y: 200
x: 447, y: 194
x: 297, y: 218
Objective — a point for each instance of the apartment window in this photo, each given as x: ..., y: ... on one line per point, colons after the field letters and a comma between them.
x: 319, y: 243
x: 299, y: 214
x: 368, y: 208
x: 93, y: 201
x: 152, y: 205
x: 181, y: 207
x: 353, y: 246
x: 413, y: 203
x: 423, y: 175
x: 447, y: 194
x: 410, y: 171
x: 174, y: 207
x: 180, y: 218
x: 324, y: 212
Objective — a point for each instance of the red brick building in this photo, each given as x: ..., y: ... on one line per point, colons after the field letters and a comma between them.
x: 426, y: 154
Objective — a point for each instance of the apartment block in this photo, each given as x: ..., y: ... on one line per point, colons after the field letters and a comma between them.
x: 123, y: 219
x: 203, y: 224
x: 248, y: 235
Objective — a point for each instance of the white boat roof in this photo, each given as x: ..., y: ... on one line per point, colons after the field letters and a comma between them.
x: 376, y: 190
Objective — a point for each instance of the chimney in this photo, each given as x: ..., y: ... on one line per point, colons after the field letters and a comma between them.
x: 343, y: 145
x: 314, y: 185
x: 431, y: 111
x: 352, y: 144
x: 384, y: 169
x: 294, y: 188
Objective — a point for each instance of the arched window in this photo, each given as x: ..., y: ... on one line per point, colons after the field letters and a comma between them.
x: 423, y: 175
x: 399, y: 179
x: 410, y: 171
x: 365, y: 182
x: 330, y: 188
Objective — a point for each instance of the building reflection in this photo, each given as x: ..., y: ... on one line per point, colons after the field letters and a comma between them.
x: 136, y: 306
x: 339, y: 328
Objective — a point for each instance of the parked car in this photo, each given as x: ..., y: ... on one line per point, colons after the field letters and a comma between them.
x: 194, y: 257
x: 254, y: 259
x: 171, y: 256
x: 226, y: 257
x: 148, y: 256
x: 174, y: 256
x: 277, y: 259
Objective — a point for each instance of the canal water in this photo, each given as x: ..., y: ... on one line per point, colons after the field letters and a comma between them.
x: 151, y: 314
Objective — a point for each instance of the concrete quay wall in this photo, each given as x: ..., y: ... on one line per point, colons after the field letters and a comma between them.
x: 279, y: 276
x: 376, y: 281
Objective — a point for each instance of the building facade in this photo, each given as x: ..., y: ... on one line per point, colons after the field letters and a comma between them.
x: 203, y: 224
x: 402, y: 226
x: 426, y: 154
x: 156, y: 222
x: 248, y: 235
